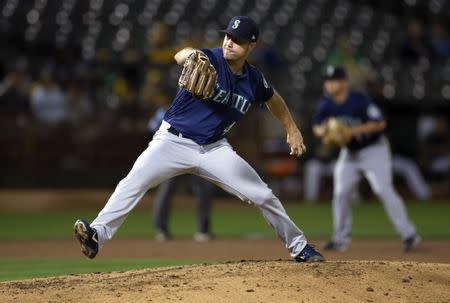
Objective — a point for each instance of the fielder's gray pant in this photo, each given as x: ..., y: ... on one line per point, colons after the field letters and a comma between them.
x: 161, y: 209
x: 374, y: 162
x: 168, y: 156
x: 409, y: 170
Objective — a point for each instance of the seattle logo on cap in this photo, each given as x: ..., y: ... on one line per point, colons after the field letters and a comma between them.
x: 236, y: 24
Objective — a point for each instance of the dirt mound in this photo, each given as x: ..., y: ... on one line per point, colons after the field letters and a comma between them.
x: 246, y: 281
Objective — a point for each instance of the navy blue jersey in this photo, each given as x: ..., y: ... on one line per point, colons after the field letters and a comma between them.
x: 356, y: 110
x: 206, y: 121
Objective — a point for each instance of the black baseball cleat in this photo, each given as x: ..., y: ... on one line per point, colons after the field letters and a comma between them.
x: 87, y: 237
x: 309, y: 254
x: 411, y: 243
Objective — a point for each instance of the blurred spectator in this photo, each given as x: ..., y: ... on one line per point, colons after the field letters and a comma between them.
x: 83, y: 128
x: 101, y: 69
x: 359, y: 70
x: 48, y: 103
x: 196, y: 39
x: 125, y: 90
x: 160, y: 49
x: 80, y: 105
x: 14, y: 91
x: 63, y: 64
x: 130, y: 66
x: 416, y: 45
x: 128, y: 109
x: 154, y: 97
x: 440, y: 39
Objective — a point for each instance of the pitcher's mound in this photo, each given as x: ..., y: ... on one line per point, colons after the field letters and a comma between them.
x: 246, y: 281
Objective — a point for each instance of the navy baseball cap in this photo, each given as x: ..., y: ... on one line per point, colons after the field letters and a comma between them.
x: 243, y: 28
x: 334, y: 73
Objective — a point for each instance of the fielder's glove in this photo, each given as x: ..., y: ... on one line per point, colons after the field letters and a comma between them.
x: 198, y: 76
x: 337, y: 133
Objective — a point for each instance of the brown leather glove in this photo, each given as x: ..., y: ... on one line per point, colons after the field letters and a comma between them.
x: 198, y: 76
x: 337, y: 133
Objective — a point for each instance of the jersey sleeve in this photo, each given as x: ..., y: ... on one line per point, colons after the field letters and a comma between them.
x: 212, y: 56
x: 320, y: 114
x: 264, y: 91
x: 370, y: 111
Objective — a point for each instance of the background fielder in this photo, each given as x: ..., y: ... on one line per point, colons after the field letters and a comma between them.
x: 192, y: 140
x: 366, y: 153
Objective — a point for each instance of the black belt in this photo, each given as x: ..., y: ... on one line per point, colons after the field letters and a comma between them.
x: 174, y: 131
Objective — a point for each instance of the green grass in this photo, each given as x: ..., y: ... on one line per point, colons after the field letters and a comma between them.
x: 14, y: 269
x: 370, y: 220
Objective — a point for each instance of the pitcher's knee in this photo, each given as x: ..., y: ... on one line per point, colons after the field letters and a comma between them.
x: 261, y: 197
x: 141, y: 180
x: 132, y: 184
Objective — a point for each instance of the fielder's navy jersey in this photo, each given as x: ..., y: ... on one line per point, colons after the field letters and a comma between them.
x: 206, y: 121
x: 356, y: 110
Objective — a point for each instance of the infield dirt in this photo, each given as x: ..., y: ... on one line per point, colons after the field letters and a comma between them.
x: 246, y: 281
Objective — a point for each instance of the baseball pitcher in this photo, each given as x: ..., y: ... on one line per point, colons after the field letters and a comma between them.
x: 218, y: 87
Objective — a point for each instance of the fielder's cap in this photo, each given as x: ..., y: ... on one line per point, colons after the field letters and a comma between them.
x: 243, y: 28
x: 334, y: 73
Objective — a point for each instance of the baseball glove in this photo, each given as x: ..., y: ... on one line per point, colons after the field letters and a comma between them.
x: 337, y: 133
x: 198, y: 76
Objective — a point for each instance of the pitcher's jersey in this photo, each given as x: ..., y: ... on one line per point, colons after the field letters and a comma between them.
x: 356, y: 110
x: 206, y: 121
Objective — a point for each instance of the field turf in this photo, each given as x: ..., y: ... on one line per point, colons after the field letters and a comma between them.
x: 369, y: 218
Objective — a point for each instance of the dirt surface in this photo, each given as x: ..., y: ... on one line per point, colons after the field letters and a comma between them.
x: 353, y: 280
x: 249, y: 281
